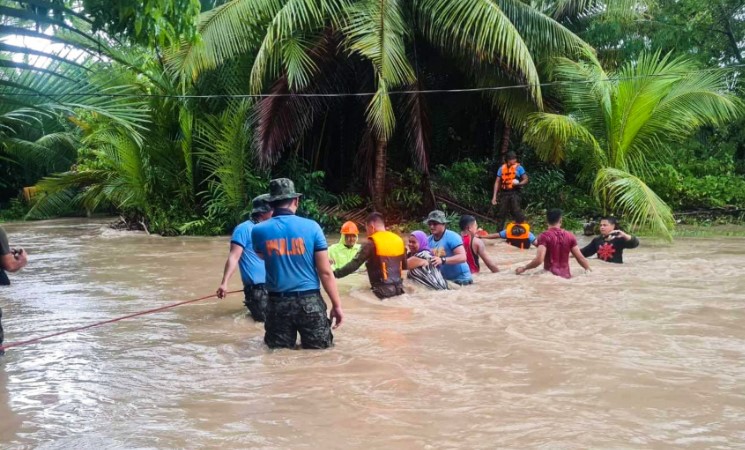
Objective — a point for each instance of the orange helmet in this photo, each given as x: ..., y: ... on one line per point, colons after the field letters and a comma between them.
x: 349, y: 228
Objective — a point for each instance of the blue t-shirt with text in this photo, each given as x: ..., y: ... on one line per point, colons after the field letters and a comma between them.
x: 288, y: 244
x: 251, y: 266
x: 449, y: 241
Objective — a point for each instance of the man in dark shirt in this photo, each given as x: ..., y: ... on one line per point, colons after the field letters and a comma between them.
x: 610, y: 244
x: 385, y: 256
x: 12, y: 260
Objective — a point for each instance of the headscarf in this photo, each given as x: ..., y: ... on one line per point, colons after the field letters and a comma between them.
x: 421, y: 238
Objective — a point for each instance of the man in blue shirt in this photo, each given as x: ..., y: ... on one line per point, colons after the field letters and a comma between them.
x: 511, y: 178
x: 447, y: 248
x: 295, y: 256
x: 252, y: 267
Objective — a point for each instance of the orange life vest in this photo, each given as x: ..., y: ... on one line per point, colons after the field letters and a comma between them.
x: 386, y: 265
x: 509, y: 174
x: 518, y: 235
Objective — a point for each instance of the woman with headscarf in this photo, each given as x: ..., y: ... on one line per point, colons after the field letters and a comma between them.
x: 420, y: 265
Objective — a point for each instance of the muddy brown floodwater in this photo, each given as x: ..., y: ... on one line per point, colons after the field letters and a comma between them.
x: 650, y: 354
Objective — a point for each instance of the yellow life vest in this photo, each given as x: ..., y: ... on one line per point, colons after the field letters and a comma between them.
x: 387, y: 264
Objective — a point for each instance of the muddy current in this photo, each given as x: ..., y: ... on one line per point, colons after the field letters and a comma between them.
x: 649, y: 354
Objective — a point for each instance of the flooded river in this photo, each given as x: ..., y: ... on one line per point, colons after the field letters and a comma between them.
x: 650, y: 354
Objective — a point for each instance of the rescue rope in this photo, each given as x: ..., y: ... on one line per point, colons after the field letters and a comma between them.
x: 106, y: 322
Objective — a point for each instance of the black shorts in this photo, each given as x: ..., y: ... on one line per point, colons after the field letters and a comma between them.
x: 306, y: 315
x: 256, y: 299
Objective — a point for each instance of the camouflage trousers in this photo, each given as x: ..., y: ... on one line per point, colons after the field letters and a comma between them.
x: 304, y: 314
x: 256, y: 299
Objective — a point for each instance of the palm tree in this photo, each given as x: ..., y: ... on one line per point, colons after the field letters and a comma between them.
x: 618, y: 124
x: 295, y: 42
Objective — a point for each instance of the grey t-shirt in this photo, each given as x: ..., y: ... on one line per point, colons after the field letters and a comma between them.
x: 4, y: 250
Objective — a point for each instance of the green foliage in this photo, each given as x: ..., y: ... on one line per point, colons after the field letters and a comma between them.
x: 619, y: 128
x: 14, y: 210
x: 151, y: 23
x: 467, y: 182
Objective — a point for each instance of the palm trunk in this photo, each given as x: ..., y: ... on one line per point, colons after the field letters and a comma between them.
x: 381, y: 154
x: 506, y: 131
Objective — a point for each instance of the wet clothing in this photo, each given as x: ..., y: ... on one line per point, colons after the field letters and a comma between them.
x: 518, y: 235
x: 256, y: 298
x: 303, y: 313
x: 384, y: 255
x: 472, y: 258
x: 509, y: 205
x: 4, y: 281
x: 509, y: 194
x: 508, y: 174
x: 251, y: 266
x: 609, y: 251
x: 559, y: 244
x: 341, y: 254
x: 427, y: 275
x: 448, y: 242
x: 288, y: 244
x: 4, y: 250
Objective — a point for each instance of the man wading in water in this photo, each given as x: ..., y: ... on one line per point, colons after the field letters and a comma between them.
x: 385, y: 258
x: 12, y: 260
x: 554, y: 247
x: 252, y: 267
x: 474, y: 246
x: 611, y: 242
x: 295, y: 255
x: 447, y: 248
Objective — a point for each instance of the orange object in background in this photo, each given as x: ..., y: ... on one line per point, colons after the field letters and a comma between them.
x: 481, y: 232
x: 29, y: 193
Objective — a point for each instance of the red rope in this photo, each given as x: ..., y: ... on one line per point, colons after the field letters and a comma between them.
x: 105, y: 322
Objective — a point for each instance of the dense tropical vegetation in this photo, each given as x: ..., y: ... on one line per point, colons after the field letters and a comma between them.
x: 174, y: 113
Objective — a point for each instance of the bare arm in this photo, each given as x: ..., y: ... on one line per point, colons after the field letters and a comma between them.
x: 497, y: 183
x: 13, y: 262
x: 524, y: 180
x: 481, y: 251
x: 580, y: 259
x: 232, y: 262
x: 540, y: 255
x: 326, y: 275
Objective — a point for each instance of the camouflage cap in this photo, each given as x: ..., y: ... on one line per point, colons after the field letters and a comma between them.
x: 261, y: 204
x: 436, y: 216
x: 282, y: 189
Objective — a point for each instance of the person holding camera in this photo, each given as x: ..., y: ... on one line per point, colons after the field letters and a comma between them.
x: 611, y: 243
x: 12, y: 260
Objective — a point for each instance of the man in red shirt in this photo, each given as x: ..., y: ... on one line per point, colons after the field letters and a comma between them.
x: 554, y: 247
